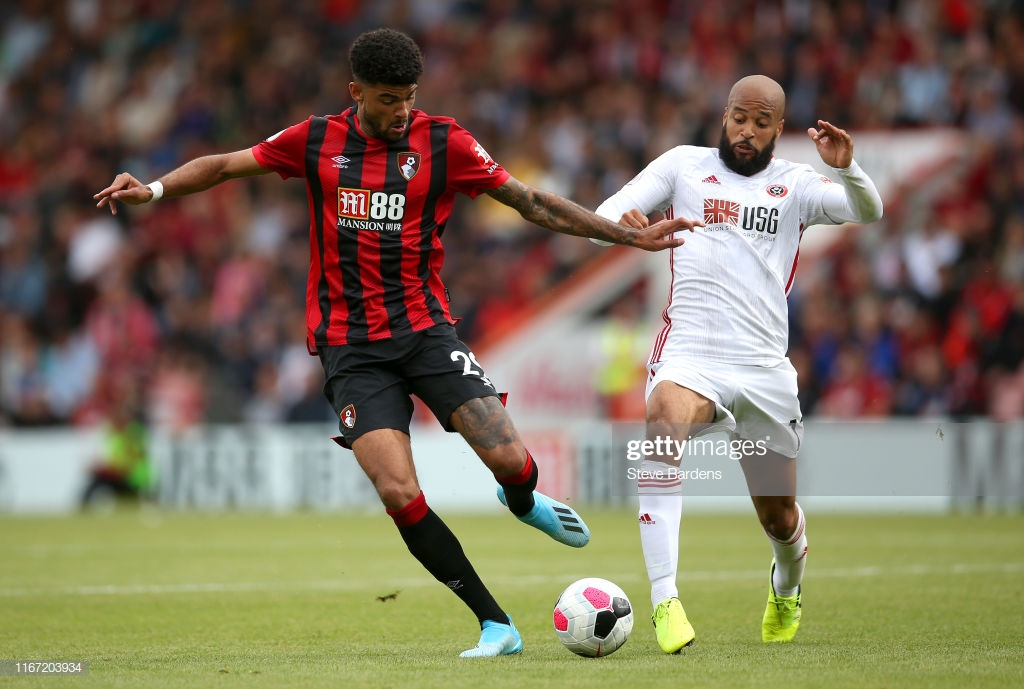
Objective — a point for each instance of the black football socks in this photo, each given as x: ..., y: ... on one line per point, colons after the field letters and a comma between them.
x: 432, y: 543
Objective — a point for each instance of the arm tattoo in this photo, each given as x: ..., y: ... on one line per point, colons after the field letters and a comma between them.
x: 559, y: 214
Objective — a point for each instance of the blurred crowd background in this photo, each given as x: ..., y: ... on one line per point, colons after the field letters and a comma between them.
x: 192, y: 310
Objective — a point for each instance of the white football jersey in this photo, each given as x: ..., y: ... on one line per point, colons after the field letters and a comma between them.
x: 731, y: 279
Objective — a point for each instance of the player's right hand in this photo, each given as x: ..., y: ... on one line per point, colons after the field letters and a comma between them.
x: 124, y: 188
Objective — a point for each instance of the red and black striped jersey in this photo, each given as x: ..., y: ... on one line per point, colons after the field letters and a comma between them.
x: 377, y: 210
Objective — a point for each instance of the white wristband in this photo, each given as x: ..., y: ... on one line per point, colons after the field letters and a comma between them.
x: 158, y: 190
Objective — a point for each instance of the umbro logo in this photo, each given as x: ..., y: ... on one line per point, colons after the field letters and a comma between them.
x: 711, y: 179
x: 646, y: 519
x: 340, y: 161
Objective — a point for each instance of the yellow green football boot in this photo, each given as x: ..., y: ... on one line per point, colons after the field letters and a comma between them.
x: 781, y: 615
x: 672, y: 628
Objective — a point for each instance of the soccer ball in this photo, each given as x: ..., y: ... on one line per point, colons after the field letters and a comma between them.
x: 593, y: 617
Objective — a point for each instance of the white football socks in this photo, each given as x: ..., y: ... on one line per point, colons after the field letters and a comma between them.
x: 661, y: 510
x: 790, y: 559
x: 660, y: 514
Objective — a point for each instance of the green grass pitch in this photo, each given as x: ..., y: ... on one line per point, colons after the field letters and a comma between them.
x: 158, y: 599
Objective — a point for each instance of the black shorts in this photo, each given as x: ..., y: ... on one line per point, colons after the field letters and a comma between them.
x: 369, y: 384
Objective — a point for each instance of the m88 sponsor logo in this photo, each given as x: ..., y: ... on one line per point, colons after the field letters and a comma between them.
x: 365, y: 209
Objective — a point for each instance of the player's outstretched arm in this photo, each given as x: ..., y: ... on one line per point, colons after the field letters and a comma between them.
x: 195, y: 175
x: 562, y: 215
x: 860, y: 201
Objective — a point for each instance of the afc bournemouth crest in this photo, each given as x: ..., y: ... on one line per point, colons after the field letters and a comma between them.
x: 408, y: 164
x: 348, y: 416
x: 777, y: 190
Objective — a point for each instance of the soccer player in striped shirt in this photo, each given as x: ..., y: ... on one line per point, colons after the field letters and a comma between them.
x: 720, y: 361
x: 381, y: 179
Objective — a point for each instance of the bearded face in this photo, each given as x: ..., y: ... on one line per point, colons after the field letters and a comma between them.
x: 742, y: 156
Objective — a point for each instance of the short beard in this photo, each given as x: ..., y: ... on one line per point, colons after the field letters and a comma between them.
x: 746, y: 167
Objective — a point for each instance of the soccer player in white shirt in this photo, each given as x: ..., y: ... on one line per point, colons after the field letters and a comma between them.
x: 720, y: 361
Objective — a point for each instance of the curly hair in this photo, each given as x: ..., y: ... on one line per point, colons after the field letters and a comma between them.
x: 385, y: 56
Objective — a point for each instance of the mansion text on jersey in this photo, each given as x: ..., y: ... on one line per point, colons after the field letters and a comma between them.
x: 372, y: 225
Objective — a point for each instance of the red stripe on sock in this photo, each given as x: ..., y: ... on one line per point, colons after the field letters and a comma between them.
x: 520, y: 478
x: 411, y: 513
x: 798, y: 535
x: 800, y: 526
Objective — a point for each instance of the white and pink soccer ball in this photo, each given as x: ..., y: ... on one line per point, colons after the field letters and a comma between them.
x: 593, y: 617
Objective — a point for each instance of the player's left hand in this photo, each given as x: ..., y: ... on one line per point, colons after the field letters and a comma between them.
x: 835, y: 146
x: 634, y: 218
x: 660, y: 235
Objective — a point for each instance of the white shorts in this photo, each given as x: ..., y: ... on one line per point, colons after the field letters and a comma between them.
x: 751, y: 402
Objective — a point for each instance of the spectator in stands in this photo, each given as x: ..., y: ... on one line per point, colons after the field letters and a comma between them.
x: 854, y: 390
